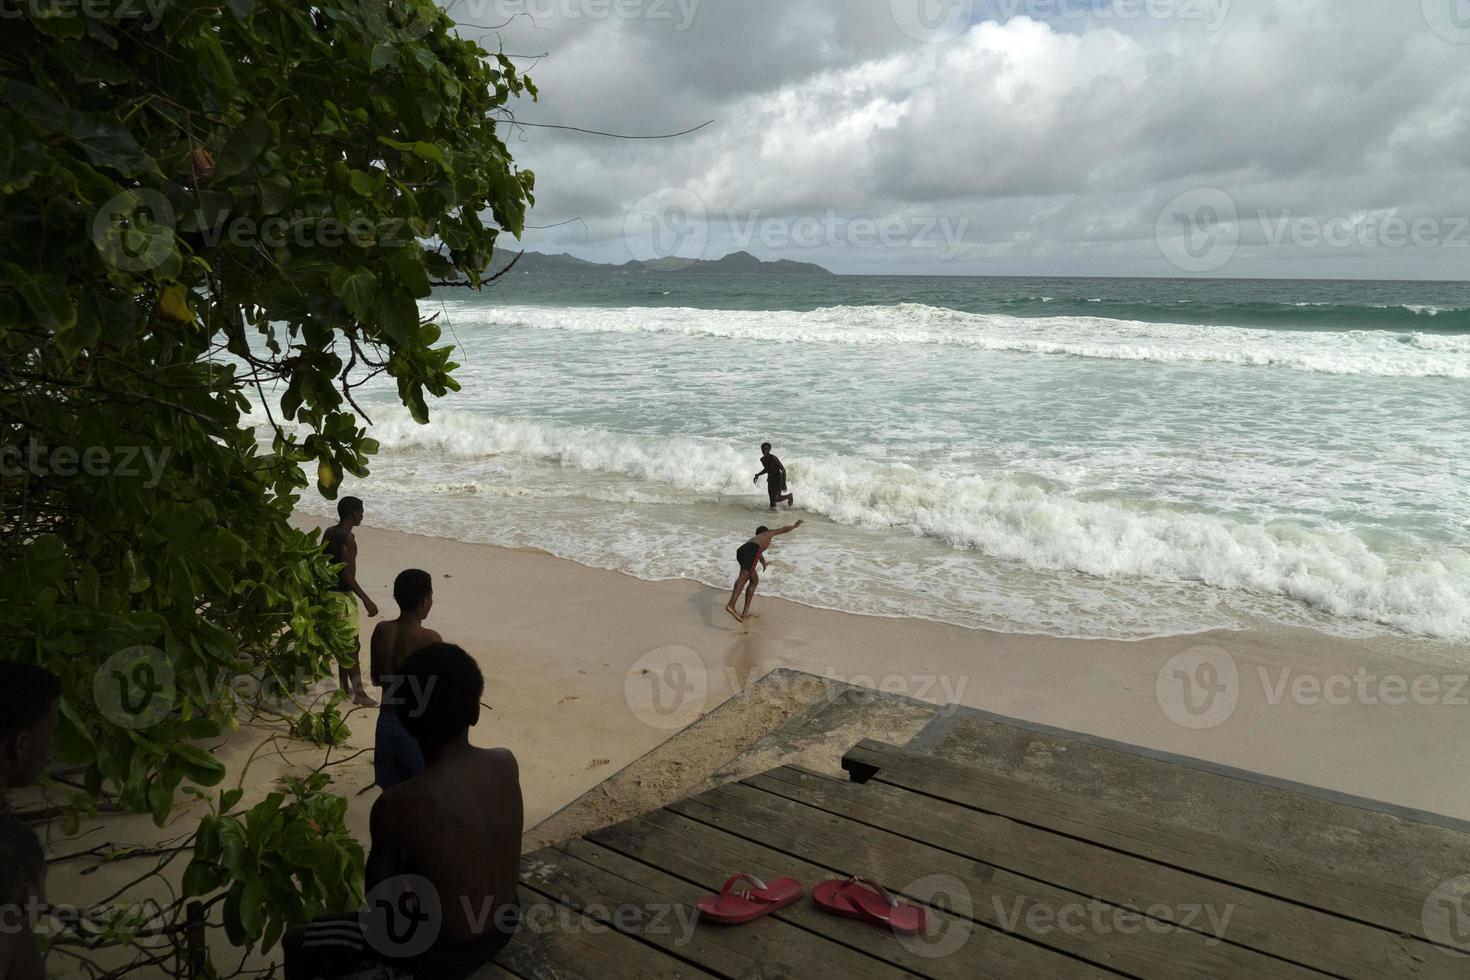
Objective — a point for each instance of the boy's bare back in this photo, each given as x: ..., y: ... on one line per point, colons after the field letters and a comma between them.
x: 458, y: 824
x: 394, y: 642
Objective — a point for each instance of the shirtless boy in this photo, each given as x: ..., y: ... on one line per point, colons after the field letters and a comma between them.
x: 775, y: 474
x: 396, y: 754
x: 341, y: 547
x: 747, y: 555
x: 457, y: 826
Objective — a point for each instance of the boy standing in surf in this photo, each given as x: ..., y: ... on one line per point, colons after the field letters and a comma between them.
x: 747, y: 555
x: 775, y: 475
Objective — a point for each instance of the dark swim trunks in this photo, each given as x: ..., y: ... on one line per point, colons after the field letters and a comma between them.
x: 747, y: 554
x: 347, y: 945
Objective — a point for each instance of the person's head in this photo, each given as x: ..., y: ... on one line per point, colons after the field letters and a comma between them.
x: 413, y: 590
x: 765, y: 447
x: 30, y: 707
x: 761, y: 530
x: 22, y: 862
x: 349, y: 509
x: 440, y: 687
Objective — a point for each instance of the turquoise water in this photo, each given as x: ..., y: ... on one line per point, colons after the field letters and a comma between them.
x: 1116, y: 458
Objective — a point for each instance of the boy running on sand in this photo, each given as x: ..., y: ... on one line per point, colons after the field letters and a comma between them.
x: 747, y: 555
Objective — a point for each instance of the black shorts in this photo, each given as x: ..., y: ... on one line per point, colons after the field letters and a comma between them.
x: 777, y: 490
x: 747, y: 554
x: 342, y: 945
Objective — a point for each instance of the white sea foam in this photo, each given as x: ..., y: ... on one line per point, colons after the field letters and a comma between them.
x: 1375, y: 353
x: 1404, y: 583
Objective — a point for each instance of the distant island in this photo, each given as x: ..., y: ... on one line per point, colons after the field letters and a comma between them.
x: 736, y: 263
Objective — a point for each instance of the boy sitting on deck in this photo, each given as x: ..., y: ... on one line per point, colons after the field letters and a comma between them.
x: 446, y: 846
x: 22, y: 871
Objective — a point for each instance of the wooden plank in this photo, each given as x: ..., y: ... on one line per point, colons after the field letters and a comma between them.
x: 1342, y: 947
x: 707, y: 856
x: 555, y: 943
x: 1118, y: 939
x: 1339, y: 891
x: 658, y: 909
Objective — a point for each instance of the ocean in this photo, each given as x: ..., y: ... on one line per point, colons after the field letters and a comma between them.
x: 1086, y: 458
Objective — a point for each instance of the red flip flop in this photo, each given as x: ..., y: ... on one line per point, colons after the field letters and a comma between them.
x: 859, y: 898
x: 735, y: 905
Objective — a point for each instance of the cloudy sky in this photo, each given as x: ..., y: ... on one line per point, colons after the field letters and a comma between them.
x: 1286, y: 138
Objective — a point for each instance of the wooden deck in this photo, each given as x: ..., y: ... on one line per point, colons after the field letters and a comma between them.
x: 1019, y: 882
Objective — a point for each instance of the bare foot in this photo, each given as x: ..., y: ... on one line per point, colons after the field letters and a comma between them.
x: 732, y: 612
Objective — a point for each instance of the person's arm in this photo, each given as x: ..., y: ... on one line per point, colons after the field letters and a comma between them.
x: 764, y: 470
x: 382, y: 859
x: 376, y: 655
x: 788, y: 529
x: 349, y: 575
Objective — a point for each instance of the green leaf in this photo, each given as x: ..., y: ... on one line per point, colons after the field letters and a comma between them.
x: 199, y: 765
x: 357, y: 288
x: 243, y: 147
x: 46, y: 296
x: 383, y: 55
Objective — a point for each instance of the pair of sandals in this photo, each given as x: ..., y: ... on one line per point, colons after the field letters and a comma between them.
x: 745, y: 898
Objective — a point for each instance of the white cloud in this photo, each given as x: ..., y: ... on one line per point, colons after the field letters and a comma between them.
x: 1056, y: 142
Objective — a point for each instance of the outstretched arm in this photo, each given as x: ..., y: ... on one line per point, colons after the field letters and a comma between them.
x: 788, y: 529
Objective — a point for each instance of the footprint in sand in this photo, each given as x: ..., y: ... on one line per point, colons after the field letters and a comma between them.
x: 599, y: 763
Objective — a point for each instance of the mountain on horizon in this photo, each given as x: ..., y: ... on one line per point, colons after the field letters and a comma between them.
x: 736, y: 263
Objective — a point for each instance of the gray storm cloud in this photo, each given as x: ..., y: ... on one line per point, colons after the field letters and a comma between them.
x: 1053, y: 132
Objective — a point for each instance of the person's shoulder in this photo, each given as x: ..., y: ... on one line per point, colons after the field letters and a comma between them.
x: 501, y: 758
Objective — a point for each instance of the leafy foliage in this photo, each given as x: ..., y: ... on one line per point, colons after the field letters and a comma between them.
x: 207, y: 209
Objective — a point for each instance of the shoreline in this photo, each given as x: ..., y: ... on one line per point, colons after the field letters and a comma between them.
x: 1306, y: 707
